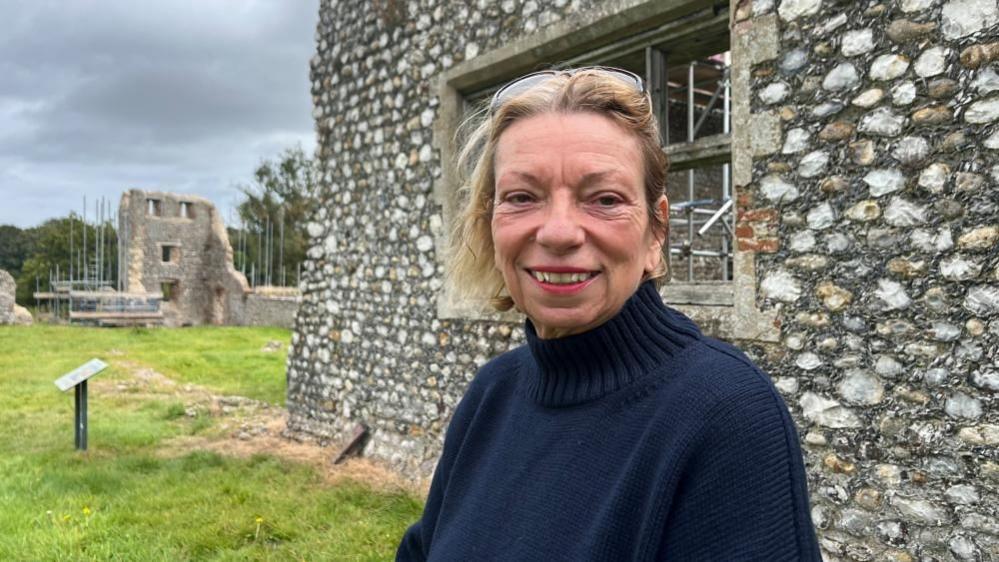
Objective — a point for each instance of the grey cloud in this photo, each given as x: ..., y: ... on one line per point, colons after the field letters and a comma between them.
x: 179, y: 95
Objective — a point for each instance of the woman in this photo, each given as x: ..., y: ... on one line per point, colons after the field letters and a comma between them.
x: 619, y: 432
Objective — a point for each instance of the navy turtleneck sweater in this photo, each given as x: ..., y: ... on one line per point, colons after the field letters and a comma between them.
x: 639, y: 440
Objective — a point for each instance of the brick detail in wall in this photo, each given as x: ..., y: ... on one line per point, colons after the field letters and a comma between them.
x: 756, y: 228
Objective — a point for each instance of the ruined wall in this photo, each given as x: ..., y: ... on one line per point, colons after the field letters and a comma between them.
x: 207, y: 289
x: 271, y: 306
x: 865, y: 172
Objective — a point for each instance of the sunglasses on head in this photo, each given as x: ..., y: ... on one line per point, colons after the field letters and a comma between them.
x: 526, y: 82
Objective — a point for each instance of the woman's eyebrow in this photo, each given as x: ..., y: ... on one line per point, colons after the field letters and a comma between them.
x: 526, y: 176
x: 586, y: 180
x: 596, y: 177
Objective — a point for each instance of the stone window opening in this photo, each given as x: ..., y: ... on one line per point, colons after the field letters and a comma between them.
x: 696, y: 69
x: 170, y: 289
x: 699, y: 181
x: 154, y: 207
x: 186, y: 210
x: 691, y: 99
x: 170, y: 253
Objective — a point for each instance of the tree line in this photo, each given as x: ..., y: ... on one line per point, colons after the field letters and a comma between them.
x: 269, y: 241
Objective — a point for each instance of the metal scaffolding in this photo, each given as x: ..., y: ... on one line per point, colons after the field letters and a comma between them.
x: 705, y: 221
x: 89, y: 289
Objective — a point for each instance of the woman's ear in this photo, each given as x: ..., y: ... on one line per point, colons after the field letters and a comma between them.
x: 660, y: 236
x: 663, y: 212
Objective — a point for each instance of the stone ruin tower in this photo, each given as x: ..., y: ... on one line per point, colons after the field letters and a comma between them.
x: 177, y: 245
x: 861, y: 269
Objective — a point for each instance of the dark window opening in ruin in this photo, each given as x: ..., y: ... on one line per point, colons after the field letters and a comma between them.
x: 154, y: 207
x: 685, y: 63
x: 169, y: 289
x: 218, y: 307
x: 171, y: 254
x: 186, y: 210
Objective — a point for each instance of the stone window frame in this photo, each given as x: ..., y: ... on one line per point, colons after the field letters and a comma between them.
x: 172, y: 250
x: 169, y: 289
x: 185, y: 210
x: 726, y: 309
x: 154, y: 207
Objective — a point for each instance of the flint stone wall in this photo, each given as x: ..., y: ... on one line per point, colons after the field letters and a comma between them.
x: 886, y: 272
x: 870, y: 213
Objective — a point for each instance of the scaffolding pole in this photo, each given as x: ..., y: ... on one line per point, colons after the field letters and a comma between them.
x: 690, y: 173
x: 268, y: 252
x: 260, y: 249
x: 84, y: 216
x: 281, y: 246
x: 71, y: 244
x: 98, y: 246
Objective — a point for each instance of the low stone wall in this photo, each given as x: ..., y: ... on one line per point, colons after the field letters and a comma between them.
x: 271, y: 309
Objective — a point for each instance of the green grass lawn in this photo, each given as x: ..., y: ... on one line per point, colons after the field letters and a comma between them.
x: 124, y: 499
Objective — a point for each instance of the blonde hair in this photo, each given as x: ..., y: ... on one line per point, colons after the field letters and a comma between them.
x: 473, y: 273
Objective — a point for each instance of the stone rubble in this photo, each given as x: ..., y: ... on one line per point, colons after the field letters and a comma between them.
x: 11, y: 313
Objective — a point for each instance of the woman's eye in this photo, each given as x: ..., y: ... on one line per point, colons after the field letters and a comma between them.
x: 519, y: 198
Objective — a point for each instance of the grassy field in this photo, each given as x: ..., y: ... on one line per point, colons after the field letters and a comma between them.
x: 135, y: 495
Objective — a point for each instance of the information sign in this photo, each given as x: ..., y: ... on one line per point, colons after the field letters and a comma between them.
x: 77, y: 379
x: 80, y: 374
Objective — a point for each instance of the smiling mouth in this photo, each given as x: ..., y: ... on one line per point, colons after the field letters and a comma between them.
x: 554, y: 278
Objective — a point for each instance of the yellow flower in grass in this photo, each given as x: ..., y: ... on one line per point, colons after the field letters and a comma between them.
x: 86, y: 511
x: 256, y: 534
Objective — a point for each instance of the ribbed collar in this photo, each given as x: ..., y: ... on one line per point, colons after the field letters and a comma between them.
x: 582, y: 367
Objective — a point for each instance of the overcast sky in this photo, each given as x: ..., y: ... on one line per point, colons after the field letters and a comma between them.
x: 99, y: 96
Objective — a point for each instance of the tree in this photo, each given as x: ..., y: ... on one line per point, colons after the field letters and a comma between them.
x: 50, y: 252
x: 281, y: 197
x: 16, y: 245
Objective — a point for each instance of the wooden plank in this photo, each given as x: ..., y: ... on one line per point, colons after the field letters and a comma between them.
x: 714, y: 149
x: 130, y: 321
x: 114, y: 295
x: 109, y: 315
x: 354, y: 444
x: 47, y: 296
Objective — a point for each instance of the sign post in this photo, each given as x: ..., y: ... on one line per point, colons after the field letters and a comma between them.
x: 77, y: 379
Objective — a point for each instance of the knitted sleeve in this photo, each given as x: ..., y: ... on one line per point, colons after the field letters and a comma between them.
x: 743, y: 494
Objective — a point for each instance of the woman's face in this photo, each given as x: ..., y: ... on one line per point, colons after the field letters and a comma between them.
x: 570, y: 222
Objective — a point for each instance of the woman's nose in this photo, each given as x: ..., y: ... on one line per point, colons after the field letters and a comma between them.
x: 561, y: 230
